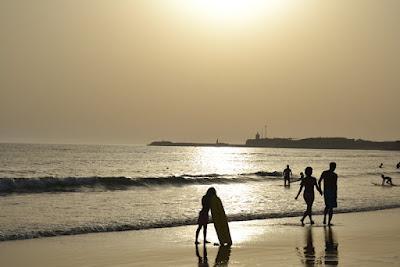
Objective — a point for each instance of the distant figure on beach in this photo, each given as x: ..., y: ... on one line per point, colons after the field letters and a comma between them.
x: 398, y: 165
x: 301, y: 176
x: 308, y: 184
x: 286, y: 175
x: 329, y: 177
x: 386, y: 179
x: 202, y: 221
x: 381, y: 165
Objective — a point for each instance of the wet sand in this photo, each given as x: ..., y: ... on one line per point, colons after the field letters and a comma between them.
x: 356, y: 239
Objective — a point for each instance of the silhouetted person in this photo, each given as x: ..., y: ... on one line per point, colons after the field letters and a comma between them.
x: 301, y: 176
x: 308, y: 184
x: 286, y: 175
x: 386, y: 179
x: 202, y: 221
x: 329, y: 177
x: 398, y: 165
x: 331, y: 247
x: 381, y: 165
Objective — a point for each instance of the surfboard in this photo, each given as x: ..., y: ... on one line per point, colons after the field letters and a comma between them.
x: 220, y: 221
x: 385, y: 185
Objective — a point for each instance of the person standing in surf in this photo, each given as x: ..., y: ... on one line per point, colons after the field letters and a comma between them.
x: 202, y: 221
x: 286, y: 175
x: 329, y: 177
x: 308, y: 184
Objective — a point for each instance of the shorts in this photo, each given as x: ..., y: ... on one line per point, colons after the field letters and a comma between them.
x: 203, y: 218
x: 330, y: 198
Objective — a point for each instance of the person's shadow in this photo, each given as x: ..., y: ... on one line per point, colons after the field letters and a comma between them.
x: 331, y: 247
x: 222, y: 258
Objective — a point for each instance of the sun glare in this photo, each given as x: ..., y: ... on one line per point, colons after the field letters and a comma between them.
x: 231, y: 11
x: 221, y: 160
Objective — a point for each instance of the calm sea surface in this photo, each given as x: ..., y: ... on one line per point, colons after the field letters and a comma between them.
x: 48, y: 190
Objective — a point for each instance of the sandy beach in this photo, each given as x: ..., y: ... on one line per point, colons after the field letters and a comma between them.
x: 356, y: 239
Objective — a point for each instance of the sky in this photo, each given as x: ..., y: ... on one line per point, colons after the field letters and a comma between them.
x: 132, y: 71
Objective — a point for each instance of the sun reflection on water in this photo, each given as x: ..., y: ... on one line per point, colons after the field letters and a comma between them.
x: 222, y: 160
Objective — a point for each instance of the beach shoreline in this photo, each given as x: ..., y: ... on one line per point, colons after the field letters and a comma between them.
x: 360, y: 239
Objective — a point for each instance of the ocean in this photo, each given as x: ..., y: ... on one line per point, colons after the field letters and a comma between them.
x: 50, y: 190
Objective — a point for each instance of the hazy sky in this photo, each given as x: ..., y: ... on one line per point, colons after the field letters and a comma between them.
x: 130, y: 71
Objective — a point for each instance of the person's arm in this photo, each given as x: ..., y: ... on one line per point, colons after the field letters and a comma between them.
x: 301, y: 188
x: 320, y: 180
x: 318, y: 187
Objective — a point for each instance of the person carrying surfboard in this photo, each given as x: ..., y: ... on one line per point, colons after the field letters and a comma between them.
x: 202, y: 221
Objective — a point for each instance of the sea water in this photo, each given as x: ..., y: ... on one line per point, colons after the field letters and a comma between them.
x: 49, y: 190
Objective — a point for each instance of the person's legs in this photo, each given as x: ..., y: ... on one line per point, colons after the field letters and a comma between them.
x: 310, y: 215
x: 325, y: 213
x: 197, y: 234
x: 304, y: 216
x: 309, y: 211
x: 330, y: 216
x: 205, y: 233
x: 309, y: 203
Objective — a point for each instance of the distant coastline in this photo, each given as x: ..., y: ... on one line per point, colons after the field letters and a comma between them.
x: 312, y: 143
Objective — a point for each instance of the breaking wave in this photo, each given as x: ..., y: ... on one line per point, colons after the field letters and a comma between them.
x: 77, y: 184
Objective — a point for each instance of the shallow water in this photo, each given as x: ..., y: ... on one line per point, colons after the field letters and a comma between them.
x: 48, y: 190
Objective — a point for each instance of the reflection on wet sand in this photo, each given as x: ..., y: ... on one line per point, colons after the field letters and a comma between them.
x: 222, y: 258
x: 203, y: 261
x: 331, y: 247
x: 307, y: 253
x: 330, y: 256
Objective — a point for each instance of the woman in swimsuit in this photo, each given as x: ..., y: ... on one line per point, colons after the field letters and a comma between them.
x: 308, y: 184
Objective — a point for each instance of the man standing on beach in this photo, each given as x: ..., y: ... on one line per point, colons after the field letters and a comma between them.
x: 286, y: 175
x: 330, y: 190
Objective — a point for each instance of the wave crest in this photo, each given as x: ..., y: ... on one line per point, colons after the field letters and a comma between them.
x: 77, y: 184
